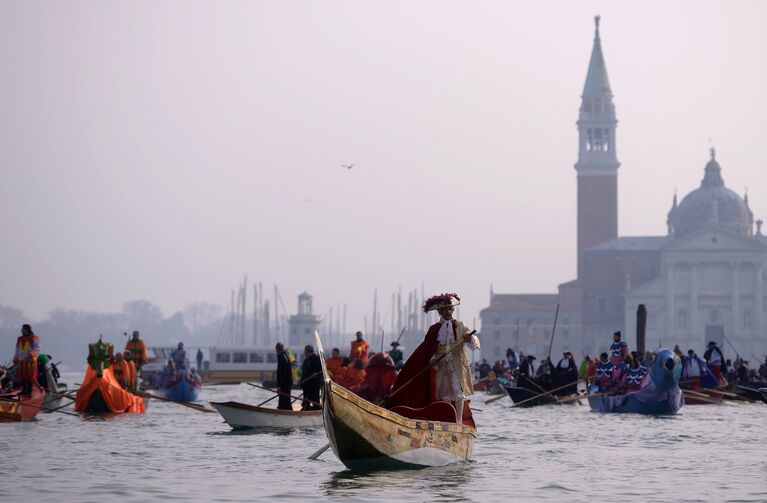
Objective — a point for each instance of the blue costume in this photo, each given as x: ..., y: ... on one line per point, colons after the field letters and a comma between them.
x: 604, y: 373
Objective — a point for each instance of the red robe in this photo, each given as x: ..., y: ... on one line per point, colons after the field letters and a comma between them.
x: 422, y: 391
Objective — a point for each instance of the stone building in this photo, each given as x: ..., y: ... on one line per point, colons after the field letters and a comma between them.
x: 702, y: 281
x: 303, y: 324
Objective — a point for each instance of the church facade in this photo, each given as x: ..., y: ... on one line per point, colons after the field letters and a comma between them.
x: 701, y: 281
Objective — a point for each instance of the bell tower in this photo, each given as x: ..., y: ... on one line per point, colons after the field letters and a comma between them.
x: 597, y: 166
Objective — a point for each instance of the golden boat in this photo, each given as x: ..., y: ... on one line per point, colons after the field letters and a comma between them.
x: 366, y: 436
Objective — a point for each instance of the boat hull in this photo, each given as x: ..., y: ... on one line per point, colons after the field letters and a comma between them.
x: 364, y: 436
x: 242, y: 416
x: 14, y: 407
x: 518, y: 395
x: 182, y: 390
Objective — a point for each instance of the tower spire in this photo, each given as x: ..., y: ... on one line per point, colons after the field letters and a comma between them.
x: 597, y: 82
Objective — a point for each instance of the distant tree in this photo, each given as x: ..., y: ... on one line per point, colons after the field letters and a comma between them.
x: 199, y: 316
x: 11, y: 318
x: 142, y: 314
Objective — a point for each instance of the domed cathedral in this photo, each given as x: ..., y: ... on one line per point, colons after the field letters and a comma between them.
x: 702, y: 281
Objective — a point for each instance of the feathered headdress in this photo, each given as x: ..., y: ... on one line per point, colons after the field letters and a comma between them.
x: 440, y: 301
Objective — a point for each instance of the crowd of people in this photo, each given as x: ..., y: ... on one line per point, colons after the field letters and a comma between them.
x: 619, y: 371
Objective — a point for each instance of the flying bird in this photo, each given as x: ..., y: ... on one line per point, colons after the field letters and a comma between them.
x: 347, y: 166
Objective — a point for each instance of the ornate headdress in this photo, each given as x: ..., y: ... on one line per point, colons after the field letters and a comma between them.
x: 440, y: 301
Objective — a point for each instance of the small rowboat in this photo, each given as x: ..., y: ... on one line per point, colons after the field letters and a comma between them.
x: 366, y: 436
x: 519, y: 395
x: 242, y: 416
x: 17, y: 407
x: 182, y: 389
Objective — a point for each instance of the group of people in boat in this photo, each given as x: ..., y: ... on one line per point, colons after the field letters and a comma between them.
x: 176, y: 368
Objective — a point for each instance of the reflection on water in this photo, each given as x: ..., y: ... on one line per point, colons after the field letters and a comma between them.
x: 447, y: 483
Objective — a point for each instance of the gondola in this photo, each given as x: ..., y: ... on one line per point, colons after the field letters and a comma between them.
x: 243, y: 416
x: 365, y: 436
x: 522, y: 396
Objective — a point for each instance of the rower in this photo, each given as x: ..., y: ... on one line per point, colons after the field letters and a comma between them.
x: 619, y: 350
x: 179, y: 356
x: 25, y: 358
x: 396, y: 354
x: 354, y: 375
x: 334, y: 363
x: 137, y: 349
x: 380, y: 375
x: 311, y: 373
x: 715, y: 360
x: 284, y: 377
x: 121, y: 370
x: 359, y: 348
x: 604, y: 372
x: 692, y: 369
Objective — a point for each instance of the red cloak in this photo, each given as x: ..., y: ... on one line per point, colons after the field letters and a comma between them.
x: 421, y: 392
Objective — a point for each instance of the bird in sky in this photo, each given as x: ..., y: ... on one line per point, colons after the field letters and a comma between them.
x: 347, y: 166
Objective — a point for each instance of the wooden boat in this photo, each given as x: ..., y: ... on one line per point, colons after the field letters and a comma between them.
x: 243, y: 416
x: 519, y: 395
x: 54, y: 399
x: 660, y: 395
x: 182, y: 389
x: 365, y: 436
x: 17, y: 407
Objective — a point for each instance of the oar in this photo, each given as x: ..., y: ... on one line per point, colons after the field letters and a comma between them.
x: 283, y: 394
x: 574, y: 398
x: 36, y: 406
x: 194, y: 406
x: 701, y: 397
x: 455, y: 348
x: 547, y: 393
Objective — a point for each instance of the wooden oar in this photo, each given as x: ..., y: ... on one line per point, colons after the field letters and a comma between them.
x: 701, y: 397
x: 325, y: 447
x: 36, y: 406
x: 548, y: 392
x: 281, y: 393
x: 191, y: 405
x: 574, y: 398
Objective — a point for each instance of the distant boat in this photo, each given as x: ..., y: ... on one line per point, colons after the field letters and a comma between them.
x: 183, y: 388
x: 522, y: 396
x: 659, y: 395
x: 242, y: 416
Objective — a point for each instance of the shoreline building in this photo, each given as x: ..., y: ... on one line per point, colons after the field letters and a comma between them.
x: 702, y: 281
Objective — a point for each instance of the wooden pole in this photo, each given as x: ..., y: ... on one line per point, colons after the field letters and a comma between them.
x: 553, y: 329
x: 641, y: 328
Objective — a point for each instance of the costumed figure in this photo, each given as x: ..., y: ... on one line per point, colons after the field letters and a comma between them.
x: 619, y: 350
x: 122, y: 371
x: 380, y: 374
x: 353, y: 376
x: 100, y: 391
x: 715, y: 361
x: 633, y: 375
x: 25, y: 358
x: 526, y: 374
x: 359, y: 349
x: 334, y: 363
x: 451, y: 380
x: 603, y: 372
x: 566, y: 373
x: 396, y: 354
x: 137, y: 350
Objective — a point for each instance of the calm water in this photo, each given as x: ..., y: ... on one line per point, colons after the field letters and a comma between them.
x: 566, y: 453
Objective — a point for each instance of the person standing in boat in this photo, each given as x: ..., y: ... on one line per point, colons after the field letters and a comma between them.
x: 199, y: 361
x: 25, y: 358
x: 715, y: 360
x: 284, y: 377
x: 359, y: 349
x: 566, y: 373
x: 619, y: 350
x: 179, y: 356
x: 311, y: 374
x: 137, y: 350
x: 451, y: 380
x: 396, y: 354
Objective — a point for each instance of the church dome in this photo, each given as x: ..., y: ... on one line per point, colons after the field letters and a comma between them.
x: 712, y: 203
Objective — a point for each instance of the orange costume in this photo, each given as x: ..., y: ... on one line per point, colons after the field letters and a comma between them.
x: 115, y: 398
x: 25, y: 358
x: 379, y: 379
x: 333, y: 365
x: 353, y: 378
x: 137, y: 350
x: 359, y: 350
x: 122, y: 373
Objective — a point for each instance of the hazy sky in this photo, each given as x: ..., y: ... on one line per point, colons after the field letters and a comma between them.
x: 162, y: 150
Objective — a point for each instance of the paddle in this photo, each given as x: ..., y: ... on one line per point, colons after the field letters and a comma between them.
x: 324, y: 448
x: 547, y: 393
x: 194, y: 406
x: 574, y: 398
x: 283, y: 394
